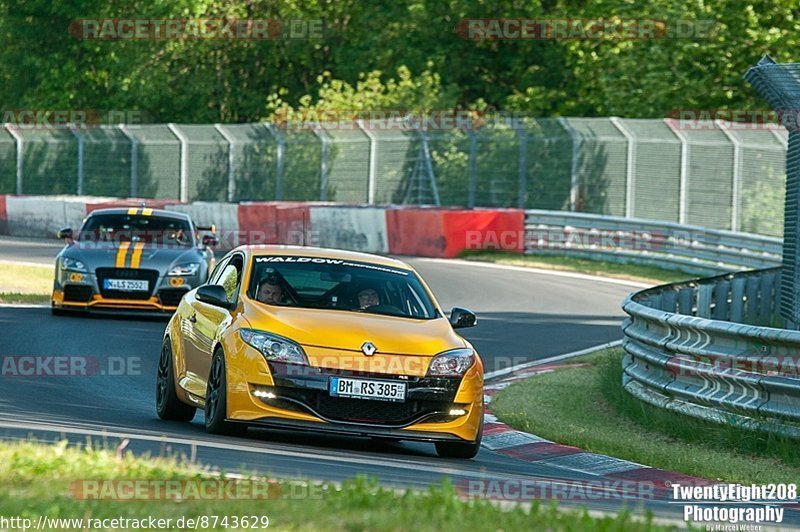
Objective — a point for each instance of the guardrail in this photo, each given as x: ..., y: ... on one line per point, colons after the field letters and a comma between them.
x: 692, y: 249
x: 702, y: 348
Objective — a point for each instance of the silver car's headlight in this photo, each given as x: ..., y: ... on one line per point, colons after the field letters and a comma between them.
x: 71, y: 264
x: 275, y: 348
x: 185, y: 269
x: 453, y: 363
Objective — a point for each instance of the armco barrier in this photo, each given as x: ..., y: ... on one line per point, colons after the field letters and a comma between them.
x: 702, y: 348
x: 692, y: 249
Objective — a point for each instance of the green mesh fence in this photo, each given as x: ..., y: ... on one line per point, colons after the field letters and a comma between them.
x: 158, y: 162
x: 254, y: 161
x: 548, y: 163
x: 207, y: 162
x: 348, y: 165
x: 524, y: 162
x: 450, y: 155
x: 8, y: 163
x: 397, y: 154
x: 106, y: 162
x: 497, y: 166
x: 50, y: 161
x: 657, y: 175
x: 762, y: 181
x: 303, y: 157
x: 602, y: 164
x: 709, y: 177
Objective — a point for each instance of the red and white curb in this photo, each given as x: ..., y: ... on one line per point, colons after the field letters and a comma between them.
x: 503, y: 439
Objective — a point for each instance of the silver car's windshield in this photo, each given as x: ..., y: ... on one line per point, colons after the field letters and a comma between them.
x: 137, y: 228
x: 313, y: 282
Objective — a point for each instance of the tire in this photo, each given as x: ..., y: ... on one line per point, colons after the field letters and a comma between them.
x: 217, y: 400
x: 168, y: 406
x: 463, y: 450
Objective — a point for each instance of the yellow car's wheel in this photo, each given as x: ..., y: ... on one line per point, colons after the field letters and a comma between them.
x: 217, y: 399
x: 168, y: 406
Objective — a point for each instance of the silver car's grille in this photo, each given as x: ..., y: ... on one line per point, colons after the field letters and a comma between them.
x: 151, y: 276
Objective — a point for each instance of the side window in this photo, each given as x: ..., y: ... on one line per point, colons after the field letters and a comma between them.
x: 218, y: 269
x: 230, y: 277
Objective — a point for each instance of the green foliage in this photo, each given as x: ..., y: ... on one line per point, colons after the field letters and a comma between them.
x: 404, y: 54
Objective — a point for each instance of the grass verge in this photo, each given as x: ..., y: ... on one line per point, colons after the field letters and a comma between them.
x: 629, y: 272
x: 36, y: 480
x: 25, y: 283
x: 588, y: 408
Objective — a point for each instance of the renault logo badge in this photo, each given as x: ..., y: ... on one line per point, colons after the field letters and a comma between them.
x: 369, y: 349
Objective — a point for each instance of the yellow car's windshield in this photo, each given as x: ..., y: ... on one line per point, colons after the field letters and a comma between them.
x: 337, y: 284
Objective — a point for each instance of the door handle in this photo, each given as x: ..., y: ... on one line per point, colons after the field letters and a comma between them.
x: 193, y: 318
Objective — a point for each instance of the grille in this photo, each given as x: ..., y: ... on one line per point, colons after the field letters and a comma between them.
x: 170, y: 297
x: 79, y: 293
x: 151, y: 276
x: 357, y: 410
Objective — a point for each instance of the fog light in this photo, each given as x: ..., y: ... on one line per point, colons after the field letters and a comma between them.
x: 76, y: 277
x: 176, y: 281
x: 457, y: 411
x: 264, y: 393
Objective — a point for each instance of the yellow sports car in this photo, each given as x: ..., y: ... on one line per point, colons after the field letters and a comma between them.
x: 325, y: 340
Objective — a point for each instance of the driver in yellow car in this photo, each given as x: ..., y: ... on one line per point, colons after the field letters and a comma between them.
x: 271, y: 294
x: 368, y: 297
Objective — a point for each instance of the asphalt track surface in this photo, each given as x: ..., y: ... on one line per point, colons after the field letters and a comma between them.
x: 523, y: 316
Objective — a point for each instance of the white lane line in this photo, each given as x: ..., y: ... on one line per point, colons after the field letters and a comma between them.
x: 402, y: 463
x: 28, y: 263
x: 555, y: 273
x: 492, y: 375
x: 22, y: 305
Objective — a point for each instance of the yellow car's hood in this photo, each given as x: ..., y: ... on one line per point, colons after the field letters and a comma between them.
x: 340, y: 329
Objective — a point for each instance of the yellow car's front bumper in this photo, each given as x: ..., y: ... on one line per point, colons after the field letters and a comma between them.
x: 297, y: 397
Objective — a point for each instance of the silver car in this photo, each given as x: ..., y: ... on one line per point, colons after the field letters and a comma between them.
x: 131, y: 259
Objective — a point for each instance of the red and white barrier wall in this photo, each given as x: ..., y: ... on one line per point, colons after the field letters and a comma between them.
x: 396, y: 230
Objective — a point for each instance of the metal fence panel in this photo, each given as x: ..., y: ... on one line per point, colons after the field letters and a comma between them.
x: 50, y: 161
x: 8, y: 163
x: 207, y: 163
x: 106, y: 162
x: 348, y: 165
x: 710, y: 177
x: 763, y: 183
x: 158, y: 160
x: 548, y: 161
x: 603, y: 163
x: 656, y: 186
x: 254, y: 153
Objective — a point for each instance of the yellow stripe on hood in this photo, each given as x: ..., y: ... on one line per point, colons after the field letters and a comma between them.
x: 136, y: 258
x: 122, y: 252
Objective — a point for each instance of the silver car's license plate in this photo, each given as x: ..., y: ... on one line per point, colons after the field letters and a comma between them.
x: 367, y: 389
x: 125, y: 285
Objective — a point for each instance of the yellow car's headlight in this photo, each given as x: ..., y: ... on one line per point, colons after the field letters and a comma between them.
x: 274, y: 347
x: 453, y: 363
